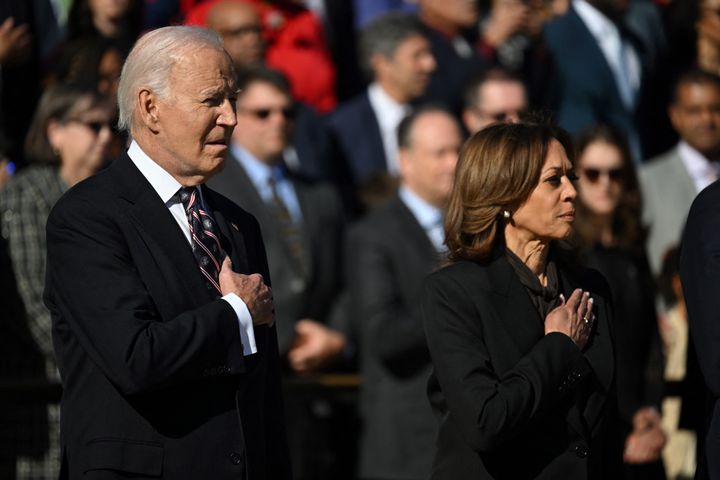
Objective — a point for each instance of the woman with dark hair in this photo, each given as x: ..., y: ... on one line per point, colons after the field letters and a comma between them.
x: 520, y: 337
x: 66, y: 143
x: 611, y: 239
x: 118, y: 19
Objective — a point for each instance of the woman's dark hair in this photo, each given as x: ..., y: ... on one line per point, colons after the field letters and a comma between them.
x: 626, y: 226
x: 80, y: 22
x: 498, y: 169
x: 61, y: 102
x: 80, y: 59
x: 668, y: 271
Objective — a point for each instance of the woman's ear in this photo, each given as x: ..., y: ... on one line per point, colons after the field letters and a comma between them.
x: 55, y: 135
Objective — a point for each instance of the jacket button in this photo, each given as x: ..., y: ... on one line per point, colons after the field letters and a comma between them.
x: 235, y: 458
x: 582, y: 451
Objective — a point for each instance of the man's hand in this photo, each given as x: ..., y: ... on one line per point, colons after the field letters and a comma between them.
x: 252, y: 290
x: 314, y: 346
x: 14, y: 42
x: 646, y: 441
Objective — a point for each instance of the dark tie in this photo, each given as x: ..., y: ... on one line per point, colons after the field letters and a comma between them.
x: 204, y: 240
x: 291, y: 232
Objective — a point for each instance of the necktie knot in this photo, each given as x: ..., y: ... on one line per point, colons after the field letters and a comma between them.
x: 188, y: 196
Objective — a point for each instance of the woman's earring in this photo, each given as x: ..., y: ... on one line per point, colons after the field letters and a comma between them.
x: 506, y: 214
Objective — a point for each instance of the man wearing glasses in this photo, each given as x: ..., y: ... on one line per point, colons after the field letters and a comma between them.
x: 493, y: 97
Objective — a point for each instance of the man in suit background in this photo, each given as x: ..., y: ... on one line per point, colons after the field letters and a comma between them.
x: 396, y: 55
x: 162, y: 322
x: 389, y: 254
x: 302, y: 225
x: 495, y: 96
x: 597, y: 69
x: 670, y: 182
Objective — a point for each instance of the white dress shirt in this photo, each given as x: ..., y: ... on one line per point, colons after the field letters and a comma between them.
x: 389, y: 113
x: 619, y: 54
x: 166, y: 187
x: 428, y: 216
x: 702, y: 171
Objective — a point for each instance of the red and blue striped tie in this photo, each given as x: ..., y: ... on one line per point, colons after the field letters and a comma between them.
x: 203, y: 232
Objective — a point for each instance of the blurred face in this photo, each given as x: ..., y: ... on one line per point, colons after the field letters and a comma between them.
x: 239, y: 26
x: 499, y: 101
x: 109, y: 73
x: 549, y: 212
x: 427, y: 165
x: 264, y: 121
x: 109, y: 9
x: 601, y: 177
x: 195, y: 123
x: 406, y: 74
x: 696, y: 117
x: 83, y: 139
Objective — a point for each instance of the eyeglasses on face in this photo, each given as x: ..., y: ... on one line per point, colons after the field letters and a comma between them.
x: 593, y: 174
x: 500, y: 116
x: 95, y: 126
x: 264, y: 113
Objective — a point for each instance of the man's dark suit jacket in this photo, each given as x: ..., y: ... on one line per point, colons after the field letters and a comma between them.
x: 583, y: 85
x: 355, y: 135
x: 296, y: 294
x: 155, y: 381
x: 700, y: 275
x: 389, y: 254
x: 514, y: 403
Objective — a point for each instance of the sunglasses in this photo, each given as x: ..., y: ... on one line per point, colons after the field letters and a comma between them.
x: 593, y: 174
x: 96, y: 127
x: 264, y: 113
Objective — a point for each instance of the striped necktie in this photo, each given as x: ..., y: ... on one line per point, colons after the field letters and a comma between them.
x: 204, y: 240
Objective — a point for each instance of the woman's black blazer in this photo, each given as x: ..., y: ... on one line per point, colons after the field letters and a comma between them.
x: 514, y: 403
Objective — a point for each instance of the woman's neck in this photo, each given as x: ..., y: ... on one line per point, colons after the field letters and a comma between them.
x: 603, y: 225
x: 108, y: 27
x: 533, y: 254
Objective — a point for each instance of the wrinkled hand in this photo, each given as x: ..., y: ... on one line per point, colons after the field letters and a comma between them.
x: 314, y: 346
x: 507, y: 18
x: 251, y: 289
x: 573, y: 317
x: 14, y: 42
x: 646, y: 441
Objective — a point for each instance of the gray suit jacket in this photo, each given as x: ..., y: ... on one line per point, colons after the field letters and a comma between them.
x: 313, y: 294
x: 389, y: 255
x: 668, y: 191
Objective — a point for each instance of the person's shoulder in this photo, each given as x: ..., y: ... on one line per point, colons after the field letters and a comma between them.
x: 460, y: 273
x: 657, y: 166
x: 381, y: 220
x: 229, y: 208
x: 347, y: 111
x: 709, y: 197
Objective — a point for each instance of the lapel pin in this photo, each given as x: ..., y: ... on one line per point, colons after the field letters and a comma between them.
x: 234, y: 225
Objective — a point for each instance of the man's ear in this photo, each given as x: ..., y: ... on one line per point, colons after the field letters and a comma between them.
x: 54, y: 135
x: 148, y: 109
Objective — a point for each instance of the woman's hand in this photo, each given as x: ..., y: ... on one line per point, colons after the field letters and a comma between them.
x: 573, y: 317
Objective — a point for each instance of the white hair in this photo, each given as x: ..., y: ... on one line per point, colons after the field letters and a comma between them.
x: 150, y: 63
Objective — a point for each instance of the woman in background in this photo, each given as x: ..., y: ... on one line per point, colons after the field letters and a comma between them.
x: 611, y: 240
x: 67, y: 142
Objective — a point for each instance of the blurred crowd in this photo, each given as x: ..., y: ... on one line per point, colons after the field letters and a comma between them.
x: 351, y: 116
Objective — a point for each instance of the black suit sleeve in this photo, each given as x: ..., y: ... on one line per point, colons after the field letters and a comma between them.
x: 490, y: 409
x: 100, y: 302
x: 389, y: 327
x: 700, y: 274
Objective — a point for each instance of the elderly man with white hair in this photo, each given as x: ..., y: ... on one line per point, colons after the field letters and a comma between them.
x: 158, y: 287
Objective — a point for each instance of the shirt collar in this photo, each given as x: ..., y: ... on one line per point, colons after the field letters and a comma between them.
x: 258, y: 172
x: 427, y: 215
x: 701, y: 170
x: 162, y: 182
x: 599, y: 25
x: 389, y: 112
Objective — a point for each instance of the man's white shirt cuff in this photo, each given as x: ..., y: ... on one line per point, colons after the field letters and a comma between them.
x: 245, y: 323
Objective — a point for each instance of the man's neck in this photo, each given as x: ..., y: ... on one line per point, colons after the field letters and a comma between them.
x: 392, y: 91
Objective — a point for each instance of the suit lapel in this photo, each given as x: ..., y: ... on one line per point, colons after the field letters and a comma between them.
x: 371, y: 124
x: 156, y: 225
x: 582, y: 35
